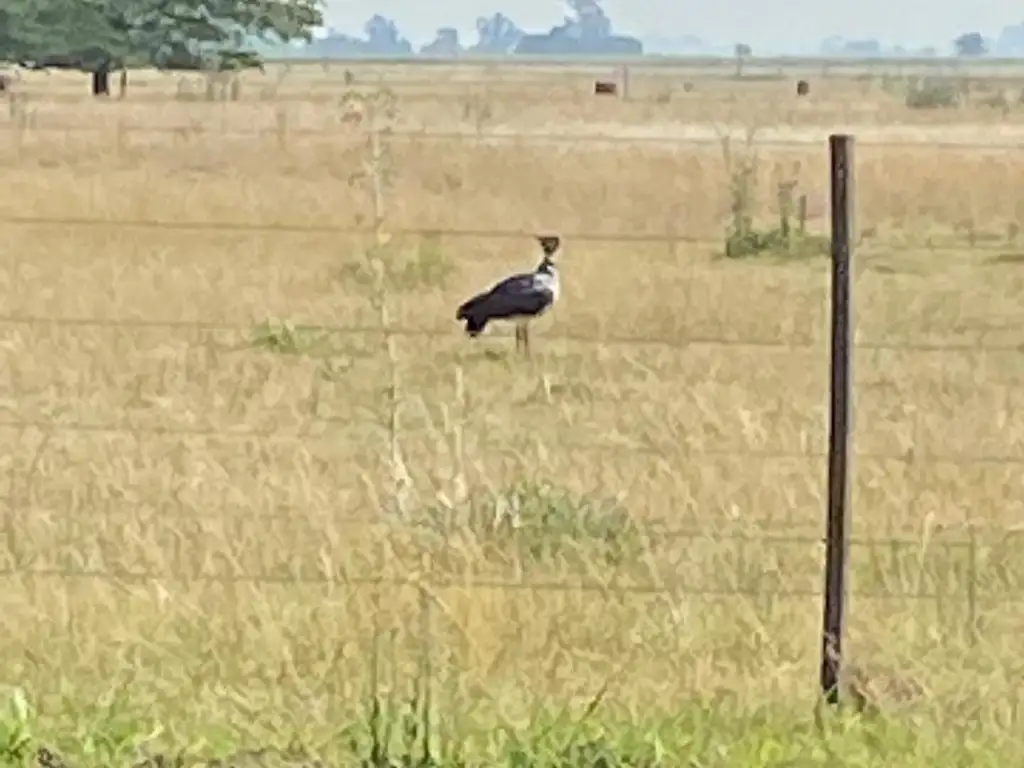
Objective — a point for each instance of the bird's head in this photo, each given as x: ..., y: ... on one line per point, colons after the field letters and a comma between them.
x: 551, y: 245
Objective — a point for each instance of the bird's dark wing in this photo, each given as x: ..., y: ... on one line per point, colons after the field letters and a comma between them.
x: 515, y: 284
x: 504, y: 304
x: 513, y: 297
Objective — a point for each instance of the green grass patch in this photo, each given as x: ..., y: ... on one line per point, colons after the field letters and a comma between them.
x: 711, y: 733
x: 422, y: 265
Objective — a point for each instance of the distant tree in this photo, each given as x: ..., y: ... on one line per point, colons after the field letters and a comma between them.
x: 100, y: 35
x: 496, y: 34
x: 742, y: 52
x: 16, y: 21
x: 832, y: 46
x: 970, y: 44
x: 588, y: 34
x: 336, y: 45
x: 1011, y: 40
x: 445, y: 43
x: 591, y: 20
x: 383, y: 37
x: 558, y: 43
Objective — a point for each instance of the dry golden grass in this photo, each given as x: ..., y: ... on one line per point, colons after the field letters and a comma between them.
x: 194, y: 499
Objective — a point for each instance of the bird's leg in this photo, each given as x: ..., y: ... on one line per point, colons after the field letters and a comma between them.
x: 519, y: 336
x: 526, y: 339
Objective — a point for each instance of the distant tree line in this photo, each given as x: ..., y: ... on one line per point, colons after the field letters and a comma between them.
x: 588, y: 32
x: 100, y: 36
x: 1009, y: 43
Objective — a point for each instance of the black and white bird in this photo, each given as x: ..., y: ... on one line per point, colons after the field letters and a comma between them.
x: 519, y: 298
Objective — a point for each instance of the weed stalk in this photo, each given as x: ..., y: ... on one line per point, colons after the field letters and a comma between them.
x: 381, y: 111
x: 460, y: 489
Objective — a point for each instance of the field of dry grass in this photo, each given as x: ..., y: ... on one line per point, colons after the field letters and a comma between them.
x: 235, y: 506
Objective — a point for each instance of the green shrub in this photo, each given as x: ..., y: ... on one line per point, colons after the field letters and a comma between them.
x: 539, y: 522
x: 284, y: 337
x: 426, y: 265
x: 786, y: 240
x: 775, y: 242
x: 548, y: 522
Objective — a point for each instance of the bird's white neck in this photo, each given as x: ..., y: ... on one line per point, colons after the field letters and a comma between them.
x: 547, y: 274
x: 547, y: 264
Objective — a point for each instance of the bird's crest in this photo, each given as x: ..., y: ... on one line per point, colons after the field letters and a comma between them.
x: 549, y: 243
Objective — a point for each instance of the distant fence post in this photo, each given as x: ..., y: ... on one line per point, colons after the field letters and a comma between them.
x: 840, y: 415
x: 626, y: 77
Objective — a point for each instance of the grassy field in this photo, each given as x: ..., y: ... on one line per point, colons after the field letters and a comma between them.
x: 255, y: 477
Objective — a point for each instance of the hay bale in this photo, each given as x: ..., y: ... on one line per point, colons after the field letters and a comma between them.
x: 605, y: 88
x: 803, y: 88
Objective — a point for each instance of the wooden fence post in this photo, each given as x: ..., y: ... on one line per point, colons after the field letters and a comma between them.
x: 840, y: 416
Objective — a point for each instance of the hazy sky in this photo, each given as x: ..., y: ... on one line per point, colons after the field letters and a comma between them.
x: 767, y: 24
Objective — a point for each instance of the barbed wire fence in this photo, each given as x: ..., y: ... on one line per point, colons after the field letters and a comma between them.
x: 960, y: 227
x: 971, y: 564
x: 124, y: 128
